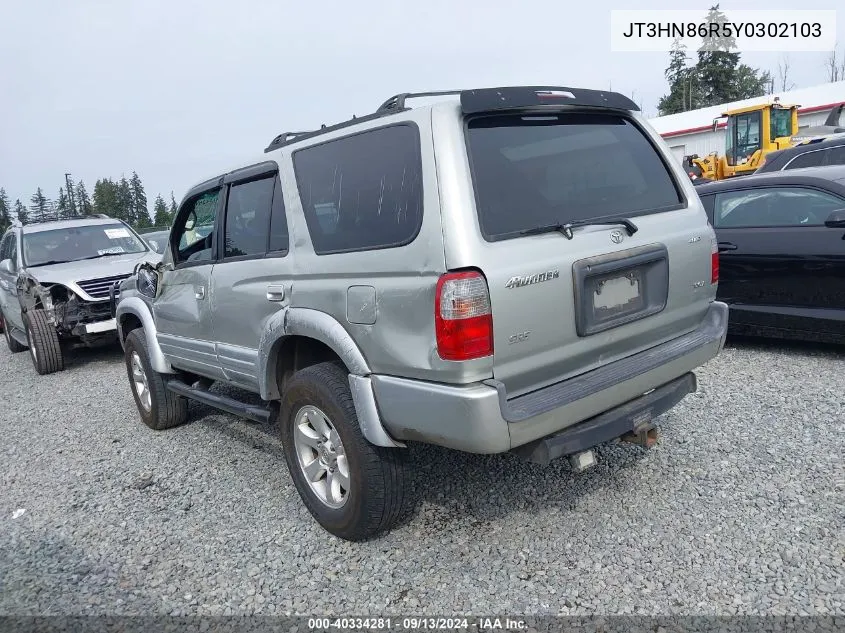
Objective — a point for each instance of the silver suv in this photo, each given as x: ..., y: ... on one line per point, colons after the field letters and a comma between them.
x: 55, y: 279
x: 514, y: 269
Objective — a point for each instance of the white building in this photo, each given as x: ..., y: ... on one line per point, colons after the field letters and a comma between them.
x: 692, y: 132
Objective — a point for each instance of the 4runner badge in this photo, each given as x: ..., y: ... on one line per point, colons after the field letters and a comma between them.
x: 527, y: 280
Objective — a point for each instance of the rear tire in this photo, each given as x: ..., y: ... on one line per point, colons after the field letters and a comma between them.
x: 44, y: 347
x: 321, y: 436
x: 159, y: 407
x: 13, y: 345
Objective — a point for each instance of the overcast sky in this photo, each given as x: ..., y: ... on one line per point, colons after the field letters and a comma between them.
x: 179, y: 90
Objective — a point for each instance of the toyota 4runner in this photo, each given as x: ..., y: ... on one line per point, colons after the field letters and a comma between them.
x: 519, y: 269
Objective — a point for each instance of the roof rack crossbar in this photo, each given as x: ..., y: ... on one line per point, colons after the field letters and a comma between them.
x: 397, y: 102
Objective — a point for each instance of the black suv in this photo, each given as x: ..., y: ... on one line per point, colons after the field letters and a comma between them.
x: 816, y: 153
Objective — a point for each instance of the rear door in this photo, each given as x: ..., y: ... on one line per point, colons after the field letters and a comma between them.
x: 561, y: 304
x: 780, y: 266
x: 253, y: 279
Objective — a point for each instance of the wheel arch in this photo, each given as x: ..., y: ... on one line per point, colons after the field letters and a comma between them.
x: 132, y: 313
x: 295, y: 338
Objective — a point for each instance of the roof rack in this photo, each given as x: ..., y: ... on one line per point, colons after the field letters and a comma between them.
x: 287, y: 138
x: 479, y: 100
x: 397, y: 102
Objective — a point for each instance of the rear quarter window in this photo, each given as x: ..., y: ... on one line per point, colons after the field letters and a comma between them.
x: 537, y: 170
x: 813, y: 158
x: 362, y: 192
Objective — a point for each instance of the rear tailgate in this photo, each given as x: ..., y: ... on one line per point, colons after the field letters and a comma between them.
x: 564, y: 323
x: 563, y: 305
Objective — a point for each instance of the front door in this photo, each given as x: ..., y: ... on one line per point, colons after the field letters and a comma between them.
x: 182, y: 309
x: 253, y: 279
x: 8, y: 282
x: 780, y: 267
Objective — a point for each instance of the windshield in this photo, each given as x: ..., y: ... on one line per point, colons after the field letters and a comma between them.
x: 79, y: 242
x: 531, y: 171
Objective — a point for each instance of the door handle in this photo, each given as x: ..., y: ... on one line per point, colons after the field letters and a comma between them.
x: 275, y: 292
x: 199, y: 293
x: 726, y: 246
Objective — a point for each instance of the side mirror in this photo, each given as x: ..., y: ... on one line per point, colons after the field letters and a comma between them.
x: 154, y: 245
x: 147, y: 281
x: 835, y: 220
x: 191, y: 221
x: 7, y: 267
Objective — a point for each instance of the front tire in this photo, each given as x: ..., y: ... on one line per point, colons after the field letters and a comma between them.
x: 353, y: 489
x: 159, y: 407
x: 44, y: 347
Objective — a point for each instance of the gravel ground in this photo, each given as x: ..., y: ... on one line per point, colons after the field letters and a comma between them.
x: 739, y: 509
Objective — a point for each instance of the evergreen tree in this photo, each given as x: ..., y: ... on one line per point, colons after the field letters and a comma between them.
x: 721, y: 76
x: 124, y: 201
x: 40, y: 207
x: 21, y: 212
x: 174, y: 208
x: 139, y: 202
x: 70, y: 202
x: 83, y: 201
x: 683, y: 82
x: 105, y: 198
x: 162, y: 215
x: 5, y: 211
x: 63, y: 206
x: 717, y: 77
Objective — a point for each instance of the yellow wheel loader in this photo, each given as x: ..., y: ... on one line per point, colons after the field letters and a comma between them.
x: 750, y: 134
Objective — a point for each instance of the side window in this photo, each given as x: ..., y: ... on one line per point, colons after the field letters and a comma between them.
x: 708, y: 203
x: 835, y: 155
x: 810, y: 159
x: 13, y: 249
x: 279, y: 238
x: 362, y: 192
x: 248, y: 217
x: 4, y: 246
x: 774, y: 207
x: 194, y: 228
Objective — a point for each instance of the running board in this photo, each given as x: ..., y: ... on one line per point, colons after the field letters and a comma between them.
x: 256, y: 413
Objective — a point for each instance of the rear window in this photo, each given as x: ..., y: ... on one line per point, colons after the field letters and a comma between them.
x: 537, y: 170
x: 362, y: 192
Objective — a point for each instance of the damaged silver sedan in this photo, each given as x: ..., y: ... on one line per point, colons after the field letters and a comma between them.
x: 55, y: 279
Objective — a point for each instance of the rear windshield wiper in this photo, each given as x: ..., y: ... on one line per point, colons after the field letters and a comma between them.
x: 566, y: 228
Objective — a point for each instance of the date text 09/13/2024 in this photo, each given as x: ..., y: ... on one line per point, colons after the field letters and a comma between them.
x: 416, y: 624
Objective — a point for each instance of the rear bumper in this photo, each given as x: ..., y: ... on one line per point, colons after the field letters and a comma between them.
x: 632, y: 417
x: 480, y: 418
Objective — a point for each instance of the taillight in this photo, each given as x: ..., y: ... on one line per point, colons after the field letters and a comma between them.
x: 714, y: 263
x: 463, y: 320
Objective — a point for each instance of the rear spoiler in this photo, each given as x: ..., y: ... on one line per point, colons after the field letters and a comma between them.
x: 517, y: 97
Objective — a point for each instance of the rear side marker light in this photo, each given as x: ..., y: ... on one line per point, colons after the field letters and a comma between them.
x: 463, y: 318
x: 714, y: 263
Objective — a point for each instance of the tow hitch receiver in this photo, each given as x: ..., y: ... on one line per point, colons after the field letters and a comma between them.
x: 645, y: 438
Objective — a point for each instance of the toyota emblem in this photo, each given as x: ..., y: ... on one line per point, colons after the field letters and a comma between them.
x: 616, y: 237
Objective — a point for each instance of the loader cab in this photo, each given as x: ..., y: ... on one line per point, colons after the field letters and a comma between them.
x: 753, y: 132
